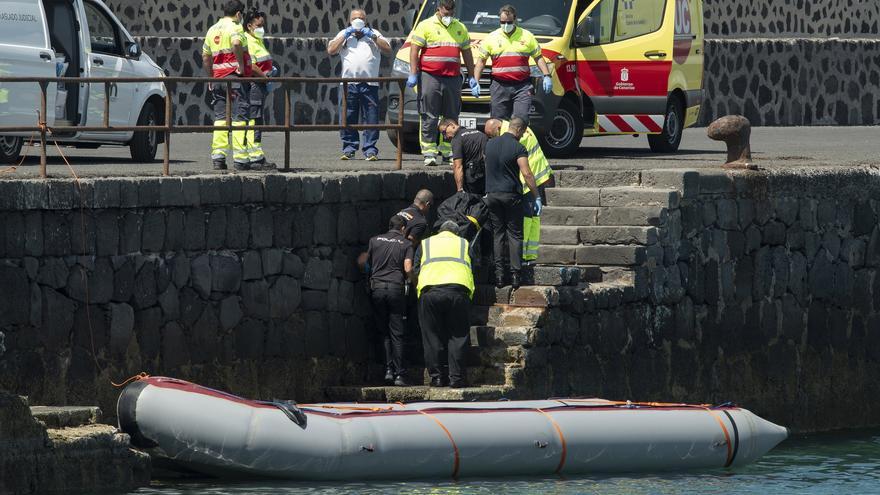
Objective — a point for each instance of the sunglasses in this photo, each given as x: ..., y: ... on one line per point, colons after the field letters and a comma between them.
x: 507, y: 22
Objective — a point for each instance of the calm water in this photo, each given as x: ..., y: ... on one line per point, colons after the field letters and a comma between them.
x: 838, y: 464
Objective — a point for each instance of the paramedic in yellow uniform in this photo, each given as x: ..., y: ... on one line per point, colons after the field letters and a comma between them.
x: 258, y: 90
x: 438, y: 45
x: 510, y: 48
x: 225, y: 55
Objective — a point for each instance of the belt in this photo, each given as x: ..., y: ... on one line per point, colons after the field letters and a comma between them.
x: 385, y: 285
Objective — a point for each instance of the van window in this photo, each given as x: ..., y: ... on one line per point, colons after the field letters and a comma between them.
x: 542, y: 18
x: 603, y: 15
x: 102, y: 31
x: 21, y: 23
x: 638, y: 17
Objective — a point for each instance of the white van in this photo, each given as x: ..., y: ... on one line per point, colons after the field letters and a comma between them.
x: 75, y: 38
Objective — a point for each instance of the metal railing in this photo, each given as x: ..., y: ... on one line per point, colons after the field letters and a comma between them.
x: 170, y: 128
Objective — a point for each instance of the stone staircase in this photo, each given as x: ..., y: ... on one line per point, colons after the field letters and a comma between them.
x: 601, y: 232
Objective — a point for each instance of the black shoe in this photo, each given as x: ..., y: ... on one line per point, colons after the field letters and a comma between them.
x: 499, y: 280
x: 219, y: 164
x: 389, y: 377
x: 515, y: 280
x: 439, y: 382
x: 400, y: 381
x: 241, y: 167
x: 462, y: 383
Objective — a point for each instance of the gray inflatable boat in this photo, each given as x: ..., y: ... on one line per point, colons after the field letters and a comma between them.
x: 220, y: 434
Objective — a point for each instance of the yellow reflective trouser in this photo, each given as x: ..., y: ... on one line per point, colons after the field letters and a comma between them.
x: 257, y: 97
x: 439, y: 97
x: 220, y: 143
x: 531, y: 238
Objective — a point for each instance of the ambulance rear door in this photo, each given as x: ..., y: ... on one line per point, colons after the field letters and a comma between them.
x: 624, y: 58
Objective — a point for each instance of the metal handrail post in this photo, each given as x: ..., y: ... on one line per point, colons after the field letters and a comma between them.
x: 399, y: 166
x: 107, y: 103
x: 343, y: 121
x: 286, y: 128
x: 43, y: 124
x: 169, y: 127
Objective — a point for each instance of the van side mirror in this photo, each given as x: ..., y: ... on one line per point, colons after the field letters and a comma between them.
x: 586, y: 33
x: 411, y: 19
x: 132, y: 50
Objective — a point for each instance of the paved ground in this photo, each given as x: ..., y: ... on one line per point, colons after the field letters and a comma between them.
x: 319, y: 151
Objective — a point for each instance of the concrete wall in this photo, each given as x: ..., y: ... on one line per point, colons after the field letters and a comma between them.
x: 245, y: 283
x: 763, y: 289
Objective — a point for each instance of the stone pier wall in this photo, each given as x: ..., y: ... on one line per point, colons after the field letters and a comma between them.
x: 246, y: 283
x: 764, y: 290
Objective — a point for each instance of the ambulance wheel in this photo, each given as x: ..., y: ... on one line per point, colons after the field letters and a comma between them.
x: 144, y: 144
x: 10, y: 148
x: 564, y: 133
x: 410, y: 142
x: 673, y: 127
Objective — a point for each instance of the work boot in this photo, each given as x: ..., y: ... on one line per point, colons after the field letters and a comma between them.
x: 432, y: 161
x: 389, y: 376
x: 219, y: 164
x: 515, y: 279
x: 262, y: 165
x: 439, y: 381
x: 242, y: 167
x: 400, y: 381
x: 458, y: 383
x: 499, y: 279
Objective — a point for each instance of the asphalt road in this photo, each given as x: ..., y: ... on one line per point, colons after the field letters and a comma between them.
x: 320, y: 151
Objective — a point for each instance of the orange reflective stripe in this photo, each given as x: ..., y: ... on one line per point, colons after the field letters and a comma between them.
x: 457, y: 462
x: 726, y: 437
x: 561, y: 440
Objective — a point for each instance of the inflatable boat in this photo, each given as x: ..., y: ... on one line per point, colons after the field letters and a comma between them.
x: 220, y: 434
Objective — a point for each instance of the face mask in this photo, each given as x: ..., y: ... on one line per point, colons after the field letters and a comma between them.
x: 508, y: 28
x: 358, y: 23
x: 259, y: 32
x: 446, y: 20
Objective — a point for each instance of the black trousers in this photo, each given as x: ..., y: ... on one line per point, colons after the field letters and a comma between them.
x: 445, y: 317
x: 506, y: 215
x: 389, y: 306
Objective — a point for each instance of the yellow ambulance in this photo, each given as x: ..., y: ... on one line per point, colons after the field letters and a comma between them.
x: 619, y: 67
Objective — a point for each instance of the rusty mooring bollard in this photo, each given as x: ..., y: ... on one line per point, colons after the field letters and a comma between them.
x: 735, y: 130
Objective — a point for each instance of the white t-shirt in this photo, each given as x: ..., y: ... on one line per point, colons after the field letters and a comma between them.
x: 360, y: 57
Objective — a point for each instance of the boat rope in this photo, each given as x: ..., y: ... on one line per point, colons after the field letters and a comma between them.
x: 140, y: 376
x: 457, y: 461
x: 348, y: 408
x: 561, y: 440
x: 729, y: 460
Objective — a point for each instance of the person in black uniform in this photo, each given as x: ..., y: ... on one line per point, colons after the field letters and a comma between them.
x: 506, y: 159
x: 415, y: 215
x: 468, y: 156
x: 390, y: 256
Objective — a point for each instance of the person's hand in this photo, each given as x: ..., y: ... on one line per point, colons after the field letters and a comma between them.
x: 548, y: 84
x: 538, y: 207
x: 349, y: 31
x: 412, y: 80
x: 475, y: 87
x: 367, y: 32
x: 274, y: 72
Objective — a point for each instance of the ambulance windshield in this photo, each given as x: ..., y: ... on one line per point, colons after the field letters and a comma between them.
x: 542, y: 18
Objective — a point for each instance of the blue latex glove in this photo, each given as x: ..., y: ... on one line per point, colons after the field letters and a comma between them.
x: 274, y: 72
x: 538, y: 207
x: 412, y: 80
x: 548, y: 84
x: 475, y: 87
x: 367, y: 32
x: 349, y: 31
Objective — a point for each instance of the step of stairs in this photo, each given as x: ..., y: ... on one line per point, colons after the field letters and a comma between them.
x: 564, y: 215
x: 573, y: 236
x: 596, y: 178
x: 612, y: 196
x: 603, y: 255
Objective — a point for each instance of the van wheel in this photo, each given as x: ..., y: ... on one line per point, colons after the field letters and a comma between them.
x: 673, y: 127
x: 564, y: 133
x: 144, y: 144
x: 10, y: 148
x: 410, y: 143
